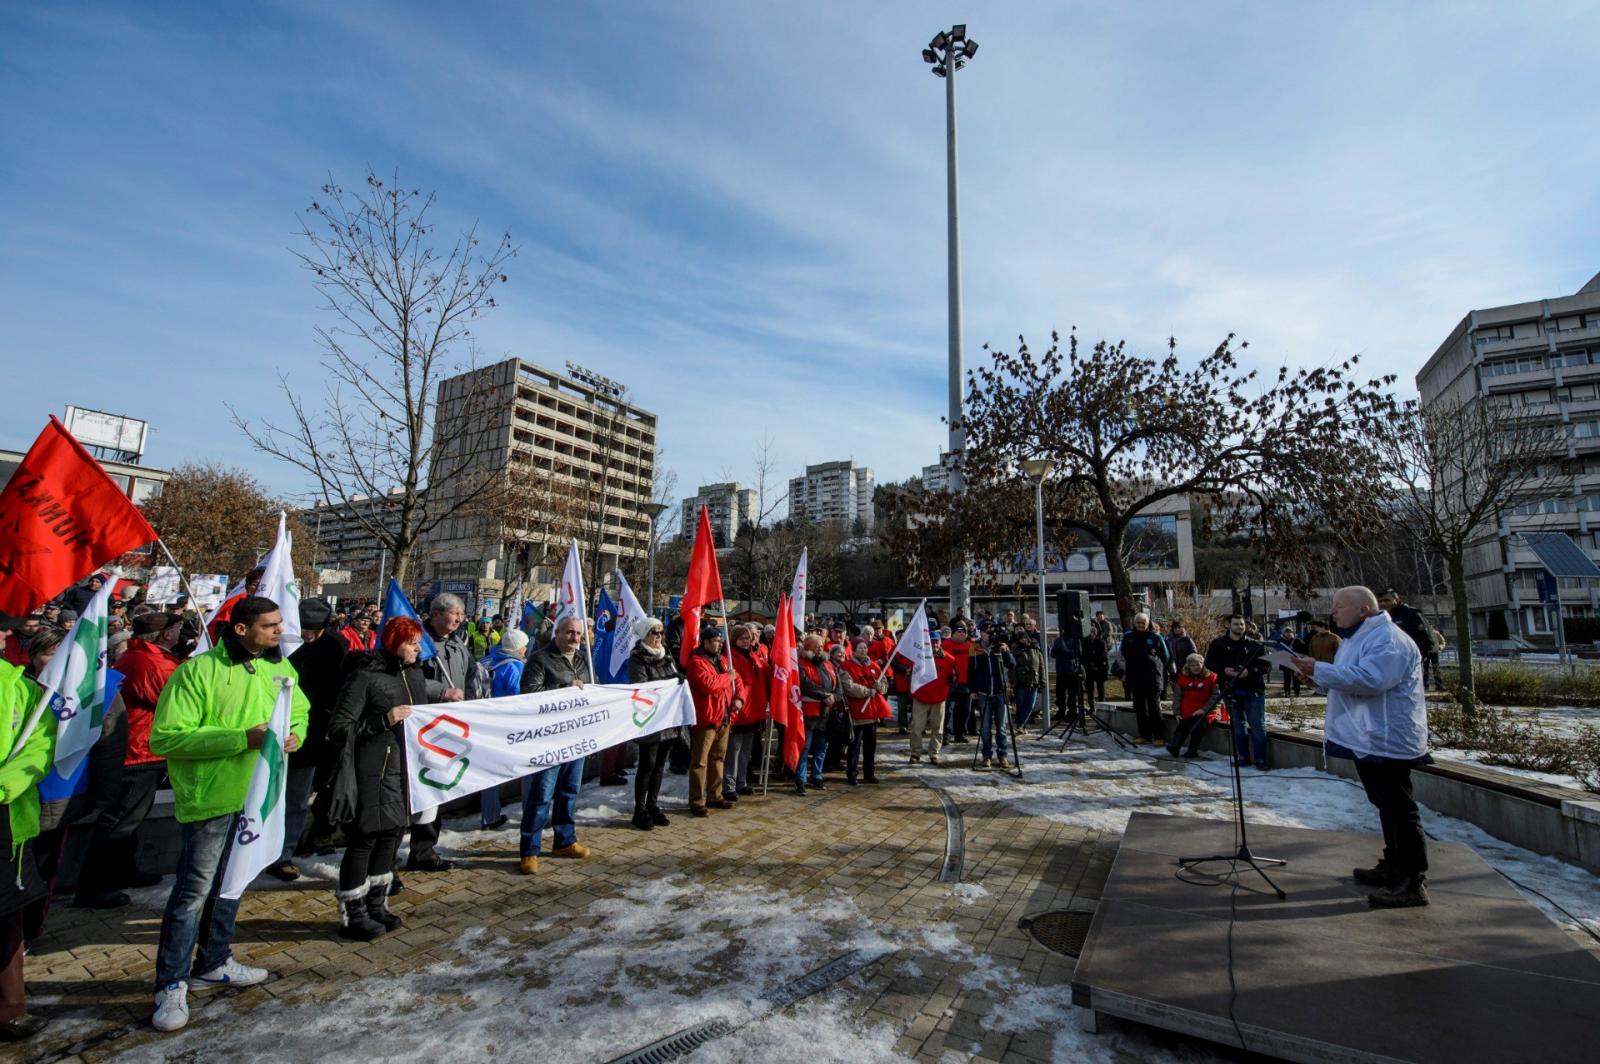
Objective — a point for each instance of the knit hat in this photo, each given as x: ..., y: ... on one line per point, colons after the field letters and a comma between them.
x: 514, y: 639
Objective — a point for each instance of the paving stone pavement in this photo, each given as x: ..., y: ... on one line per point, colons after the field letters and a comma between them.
x: 883, y: 846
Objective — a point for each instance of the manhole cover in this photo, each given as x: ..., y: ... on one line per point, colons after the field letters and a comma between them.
x: 1063, y: 930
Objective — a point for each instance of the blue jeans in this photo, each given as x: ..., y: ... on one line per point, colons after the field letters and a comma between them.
x: 1027, y: 700
x: 297, y: 799
x: 812, y: 753
x: 1249, y: 706
x: 553, y: 786
x: 194, y: 912
x: 489, y: 805
x: 992, y: 723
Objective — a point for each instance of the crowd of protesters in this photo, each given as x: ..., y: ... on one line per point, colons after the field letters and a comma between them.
x: 192, y: 722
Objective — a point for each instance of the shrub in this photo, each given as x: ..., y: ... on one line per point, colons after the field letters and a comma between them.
x: 1508, y: 684
x: 1587, y: 758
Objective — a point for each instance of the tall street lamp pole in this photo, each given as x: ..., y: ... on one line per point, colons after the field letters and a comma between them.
x: 652, y: 510
x: 947, y: 53
x: 1038, y: 469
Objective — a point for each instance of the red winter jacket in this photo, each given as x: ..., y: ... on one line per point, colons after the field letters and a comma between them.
x: 145, y: 670
x: 712, y: 686
x: 817, y: 676
x: 866, y: 708
x: 961, y: 655
x: 352, y: 636
x: 1194, y: 692
x: 755, y: 682
x: 938, y: 688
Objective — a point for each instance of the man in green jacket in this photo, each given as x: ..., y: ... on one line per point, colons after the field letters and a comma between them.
x: 209, y: 723
x: 22, y: 765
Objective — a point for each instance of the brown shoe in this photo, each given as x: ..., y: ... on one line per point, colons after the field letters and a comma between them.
x: 529, y: 866
x: 699, y: 810
x: 577, y: 851
x: 719, y: 803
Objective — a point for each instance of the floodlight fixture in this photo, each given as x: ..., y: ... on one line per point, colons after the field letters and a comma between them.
x: 958, y: 32
x: 940, y: 40
x: 928, y: 56
x: 971, y: 49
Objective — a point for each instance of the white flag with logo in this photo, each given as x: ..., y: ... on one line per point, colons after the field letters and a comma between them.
x: 627, y: 630
x: 797, y: 591
x: 570, y: 600
x: 454, y: 749
x: 916, y: 646
x: 74, y: 683
x: 279, y: 585
x: 258, y: 831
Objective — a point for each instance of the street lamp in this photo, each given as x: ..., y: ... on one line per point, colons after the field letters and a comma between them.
x: 1038, y: 469
x: 652, y: 510
x: 947, y: 53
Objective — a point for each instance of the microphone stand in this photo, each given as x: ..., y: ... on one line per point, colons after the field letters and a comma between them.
x: 1242, y: 854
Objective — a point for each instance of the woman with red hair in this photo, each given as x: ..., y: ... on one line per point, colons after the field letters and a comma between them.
x: 379, y: 690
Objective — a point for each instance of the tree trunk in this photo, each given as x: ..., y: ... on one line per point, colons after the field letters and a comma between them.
x: 1119, y: 580
x: 1466, y: 689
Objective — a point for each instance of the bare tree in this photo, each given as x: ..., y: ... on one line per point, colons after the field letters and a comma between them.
x: 217, y: 519
x: 1127, y: 432
x: 401, y: 314
x: 1458, y: 465
x: 755, y: 559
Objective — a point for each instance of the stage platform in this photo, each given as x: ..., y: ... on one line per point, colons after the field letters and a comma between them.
x: 1479, y: 975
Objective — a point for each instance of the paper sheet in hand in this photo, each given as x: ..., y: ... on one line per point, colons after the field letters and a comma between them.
x: 1280, y: 658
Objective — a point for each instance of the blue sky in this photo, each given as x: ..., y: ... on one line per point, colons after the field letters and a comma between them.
x: 738, y: 208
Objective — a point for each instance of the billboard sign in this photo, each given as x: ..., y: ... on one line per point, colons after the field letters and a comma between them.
x: 112, y: 433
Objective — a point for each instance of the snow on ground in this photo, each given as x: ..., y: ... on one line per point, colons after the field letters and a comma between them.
x: 1102, y: 785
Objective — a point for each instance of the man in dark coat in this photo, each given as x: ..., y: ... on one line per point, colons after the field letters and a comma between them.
x: 1410, y: 620
x: 1237, y: 659
x: 319, y: 661
x: 563, y: 663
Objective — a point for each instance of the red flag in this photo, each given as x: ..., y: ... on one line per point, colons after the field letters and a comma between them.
x: 61, y: 518
x: 705, y: 587
x: 785, y: 695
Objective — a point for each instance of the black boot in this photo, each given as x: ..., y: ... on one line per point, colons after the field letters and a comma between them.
x: 353, y: 919
x: 1381, y: 874
x: 657, y: 817
x: 378, y: 902
x: 1407, y: 893
x: 641, y: 817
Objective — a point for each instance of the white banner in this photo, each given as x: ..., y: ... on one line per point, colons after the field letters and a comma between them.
x: 916, y: 646
x: 209, y: 591
x: 630, y: 618
x: 259, y: 839
x: 454, y: 749
x: 164, y: 586
x: 797, y: 591
x: 279, y: 585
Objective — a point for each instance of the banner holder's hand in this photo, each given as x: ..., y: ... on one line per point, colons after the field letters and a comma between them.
x: 397, y: 714
x: 291, y: 744
x: 254, y: 737
x: 454, y: 694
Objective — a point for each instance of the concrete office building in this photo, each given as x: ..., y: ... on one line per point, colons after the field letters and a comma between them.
x: 1542, y: 357
x: 574, y: 432
x: 837, y: 492
x: 729, y: 507
x: 936, y: 477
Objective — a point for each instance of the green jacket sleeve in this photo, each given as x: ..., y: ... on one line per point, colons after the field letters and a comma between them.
x: 37, y: 754
x: 300, y: 714
x: 178, y: 733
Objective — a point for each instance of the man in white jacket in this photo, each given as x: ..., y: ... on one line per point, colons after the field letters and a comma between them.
x: 1377, y: 716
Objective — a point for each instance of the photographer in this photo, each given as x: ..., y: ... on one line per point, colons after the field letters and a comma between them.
x: 1237, y: 658
x: 992, y: 664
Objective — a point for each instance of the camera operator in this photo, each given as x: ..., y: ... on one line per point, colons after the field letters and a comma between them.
x: 1237, y: 659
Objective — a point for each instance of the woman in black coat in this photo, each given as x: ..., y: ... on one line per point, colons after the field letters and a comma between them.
x: 651, y: 661
x: 376, y: 696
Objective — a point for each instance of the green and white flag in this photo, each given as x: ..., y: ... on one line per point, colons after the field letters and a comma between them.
x: 258, y: 836
x: 74, y: 683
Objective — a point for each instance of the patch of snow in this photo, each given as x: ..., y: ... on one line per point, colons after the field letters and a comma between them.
x: 969, y: 892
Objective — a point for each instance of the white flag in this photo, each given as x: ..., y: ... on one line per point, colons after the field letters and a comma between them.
x: 279, y: 585
x: 203, y: 642
x: 916, y: 646
x: 570, y: 600
x: 628, y: 628
x: 797, y: 592
x: 74, y: 683
x: 514, y: 608
x: 258, y: 838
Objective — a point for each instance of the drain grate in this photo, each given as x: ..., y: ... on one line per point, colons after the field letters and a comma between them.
x: 1061, y: 930
x: 677, y: 1045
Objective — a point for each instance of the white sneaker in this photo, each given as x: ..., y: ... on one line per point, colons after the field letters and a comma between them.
x: 231, y: 973
x: 172, y: 1008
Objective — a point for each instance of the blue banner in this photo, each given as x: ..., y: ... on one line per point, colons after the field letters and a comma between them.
x: 395, y: 604
x: 605, y: 612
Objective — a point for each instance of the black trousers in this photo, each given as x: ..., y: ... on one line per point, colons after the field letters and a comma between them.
x: 1069, y: 692
x: 1291, y: 681
x: 1191, y: 728
x: 863, y: 738
x: 647, y: 777
x: 424, y: 837
x: 1146, y: 695
x: 958, y: 712
x: 112, y: 854
x: 1388, y: 785
x: 1095, y: 688
x: 369, y: 853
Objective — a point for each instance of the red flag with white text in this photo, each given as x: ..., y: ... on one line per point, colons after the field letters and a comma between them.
x: 61, y: 518
x: 785, y: 694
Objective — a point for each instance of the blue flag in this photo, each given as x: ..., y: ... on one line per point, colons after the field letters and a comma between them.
x: 395, y: 604
x: 605, y: 611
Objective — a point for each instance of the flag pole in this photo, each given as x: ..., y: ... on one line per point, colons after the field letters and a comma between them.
x: 885, y: 666
x: 184, y: 577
